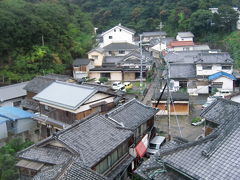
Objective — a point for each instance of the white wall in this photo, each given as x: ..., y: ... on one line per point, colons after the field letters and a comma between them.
x: 184, y: 39
x: 25, y: 125
x: 3, y: 130
x: 116, y: 53
x: 10, y: 102
x: 215, y: 68
x: 118, y: 35
x: 79, y: 74
x: 227, y: 83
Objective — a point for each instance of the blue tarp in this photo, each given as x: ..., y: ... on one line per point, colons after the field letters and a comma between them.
x: 3, y: 120
x: 13, y: 113
x: 219, y: 74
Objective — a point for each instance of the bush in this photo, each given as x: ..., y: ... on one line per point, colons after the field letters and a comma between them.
x: 196, y: 119
x: 103, y: 79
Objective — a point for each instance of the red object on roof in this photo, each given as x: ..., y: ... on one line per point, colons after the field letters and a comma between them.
x: 181, y: 43
x: 141, y: 147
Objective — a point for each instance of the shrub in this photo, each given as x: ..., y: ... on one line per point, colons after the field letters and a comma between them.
x: 103, y: 79
x: 196, y: 119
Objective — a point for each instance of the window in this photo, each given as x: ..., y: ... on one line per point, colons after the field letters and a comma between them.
x: 107, y: 75
x: 120, y: 30
x: 114, y: 30
x: 95, y: 57
x: 226, y: 67
x: 121, y: 52
x: 110, y: 37
x: 206, y: 67
x: 46, y: 108
x: 110, y: 52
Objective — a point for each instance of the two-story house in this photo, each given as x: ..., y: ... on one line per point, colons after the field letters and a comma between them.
x: 96, y: 148
x: 36, y: 85
x: 81, y: 68
x: 117, y: 34
x: 61, y: 103
x: 184, y: 36
x: 140, y: 119
x: 97, y: 54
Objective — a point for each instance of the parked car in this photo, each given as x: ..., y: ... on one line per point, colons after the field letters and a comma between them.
x: 117, y: 85
x: 128, y: 85
x: 155, y: 144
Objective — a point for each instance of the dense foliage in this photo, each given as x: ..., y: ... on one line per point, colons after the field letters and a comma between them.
x: 8, y: 170
x: 177, y: 15
x: 41, y: 37
x: 232, y: 43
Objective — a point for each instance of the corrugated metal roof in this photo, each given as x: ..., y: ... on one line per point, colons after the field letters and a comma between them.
x: 220, y: 74
x: 13, y: 113
x: 12, y: 91
x: 66, y: 95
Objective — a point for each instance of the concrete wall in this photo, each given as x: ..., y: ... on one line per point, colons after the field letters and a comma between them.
x: 118, y: 35
x: 227, y: 83
x: 97, y: 60
x: 3, y: 130
x: 24, y: 125
x: 215, y: 68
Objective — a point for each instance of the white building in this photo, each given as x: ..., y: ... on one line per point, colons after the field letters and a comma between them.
x: 185, y: 36
x: 117, y: 34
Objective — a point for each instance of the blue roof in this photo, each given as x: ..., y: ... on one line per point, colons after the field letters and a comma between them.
x: 219, y: 74
x: 13, y: 113
x: 3, y: 120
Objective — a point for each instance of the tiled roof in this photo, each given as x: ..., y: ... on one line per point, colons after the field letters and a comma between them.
x: 182, y: 71
x: 181, y: 43
x: 49, y: 155
x: 30, y: 104
x: 132, y: 114
x: 176, y: 96
x: 120, y: 46
x: 12, y: 91
x: 71, y: 170
x: 79, y: 62
x: 213, y: 157
x: 214, y: 58
x: 39, y: 83
x: 94, y: 138
x: 220, y: 111
x: 156, y: 33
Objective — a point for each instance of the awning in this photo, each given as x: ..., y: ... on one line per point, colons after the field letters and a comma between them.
x: 141, y: 147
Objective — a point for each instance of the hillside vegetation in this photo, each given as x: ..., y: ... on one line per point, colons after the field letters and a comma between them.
x: 40, y: 37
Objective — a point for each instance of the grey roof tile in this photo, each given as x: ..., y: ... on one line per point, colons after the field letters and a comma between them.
x: 220, y: 111
x: 39, y: 83
x: 120, y: 46
x: 94, y: 138
x: 80, y: 61
x: 49, y: 155
x: 213, y: 157
x: 176, y: 96
x: 182, y: 71
x: 132, y: 114
x: 185, y: 34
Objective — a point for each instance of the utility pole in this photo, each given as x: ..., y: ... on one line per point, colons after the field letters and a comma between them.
x: 42, y: 40
x: 160, y: 38
x: 141, y: 68
x: 168, y: 100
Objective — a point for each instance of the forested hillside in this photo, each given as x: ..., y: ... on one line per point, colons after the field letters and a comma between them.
x: 40, y: 37
x: 177, y: 15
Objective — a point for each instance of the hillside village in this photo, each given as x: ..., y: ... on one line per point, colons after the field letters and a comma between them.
x: 98, y: 124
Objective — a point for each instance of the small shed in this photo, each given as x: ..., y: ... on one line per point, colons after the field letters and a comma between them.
x: 179, y: 103
x: 15, y: 120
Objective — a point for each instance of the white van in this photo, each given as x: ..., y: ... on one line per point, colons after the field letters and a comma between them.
x: 155, y: 144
